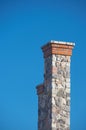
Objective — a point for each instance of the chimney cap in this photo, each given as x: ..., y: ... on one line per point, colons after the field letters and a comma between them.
x: 60, y: 43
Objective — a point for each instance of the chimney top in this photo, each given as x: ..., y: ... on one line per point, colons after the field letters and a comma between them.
x: 58, y: 47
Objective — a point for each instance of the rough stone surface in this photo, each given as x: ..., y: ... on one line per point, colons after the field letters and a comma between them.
x: 54, y: 102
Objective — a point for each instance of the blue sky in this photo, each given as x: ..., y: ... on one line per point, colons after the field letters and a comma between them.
x: 24, y: 27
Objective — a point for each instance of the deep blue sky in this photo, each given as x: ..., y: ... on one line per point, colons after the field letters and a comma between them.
x: 24, y: 27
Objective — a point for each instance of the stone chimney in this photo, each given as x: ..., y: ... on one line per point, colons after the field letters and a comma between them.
x: 54, y: 93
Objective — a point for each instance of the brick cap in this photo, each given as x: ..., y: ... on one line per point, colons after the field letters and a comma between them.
x: 58, y: 48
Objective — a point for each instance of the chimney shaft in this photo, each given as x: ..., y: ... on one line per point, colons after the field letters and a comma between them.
x: 54, y: 93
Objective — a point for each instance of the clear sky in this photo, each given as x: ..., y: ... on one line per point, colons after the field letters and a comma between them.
x: 25, y: 25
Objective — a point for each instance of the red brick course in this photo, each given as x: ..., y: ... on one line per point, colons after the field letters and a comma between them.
x: 58, y: 49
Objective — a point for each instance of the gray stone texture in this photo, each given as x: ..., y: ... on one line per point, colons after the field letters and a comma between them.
x: 54, y: 102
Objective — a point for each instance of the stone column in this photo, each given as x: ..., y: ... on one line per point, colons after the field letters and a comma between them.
x: 54, y: 93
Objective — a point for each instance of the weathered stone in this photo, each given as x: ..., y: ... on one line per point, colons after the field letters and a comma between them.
x: 42, y: 104
x: 60, y: 92
x: 68, y: 80
x: 61, y: 121
x: 53, y: 101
